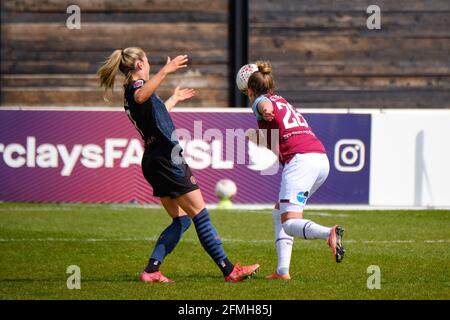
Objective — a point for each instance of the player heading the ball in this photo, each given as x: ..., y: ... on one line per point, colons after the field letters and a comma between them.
x: 304, y: 160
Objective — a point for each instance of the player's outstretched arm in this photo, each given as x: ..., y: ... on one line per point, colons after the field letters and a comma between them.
x: 143, y: 94
x: 178, y: 96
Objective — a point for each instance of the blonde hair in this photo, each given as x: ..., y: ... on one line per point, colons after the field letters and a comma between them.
x: 261, y: 81
x: 123, y: 60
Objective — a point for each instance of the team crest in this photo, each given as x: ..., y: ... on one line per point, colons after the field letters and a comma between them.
x: 138, y: 84
x: 193, y: 180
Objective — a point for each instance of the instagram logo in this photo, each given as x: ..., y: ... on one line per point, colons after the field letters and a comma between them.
x: 349, y: 155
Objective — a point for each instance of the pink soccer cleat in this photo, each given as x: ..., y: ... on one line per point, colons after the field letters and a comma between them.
x: 276, y: 276
x: 154, y: 277
x: 241, y: 273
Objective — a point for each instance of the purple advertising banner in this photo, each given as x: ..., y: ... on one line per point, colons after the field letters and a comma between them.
x: 94, y: 156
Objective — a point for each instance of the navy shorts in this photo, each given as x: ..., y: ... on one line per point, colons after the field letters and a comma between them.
x: 167, y: 178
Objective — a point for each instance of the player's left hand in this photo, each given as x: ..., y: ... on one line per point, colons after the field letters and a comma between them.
x: 183, y: 94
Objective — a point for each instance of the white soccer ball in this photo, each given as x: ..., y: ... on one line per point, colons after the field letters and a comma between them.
x: 244, y: 74
x: 225, y: 189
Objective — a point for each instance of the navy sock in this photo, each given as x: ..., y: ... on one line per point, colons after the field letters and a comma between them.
x: 152, y: 266
x: 211, y: 241
x: 167, y: 241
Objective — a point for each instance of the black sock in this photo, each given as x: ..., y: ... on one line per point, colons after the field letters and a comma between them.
x: 152, y: 266
x: 226, y: 267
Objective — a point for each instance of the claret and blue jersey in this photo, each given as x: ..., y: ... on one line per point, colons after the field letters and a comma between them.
x: 295, y: 135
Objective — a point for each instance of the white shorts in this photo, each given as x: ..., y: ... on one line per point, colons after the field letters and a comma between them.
x: 301, y: 177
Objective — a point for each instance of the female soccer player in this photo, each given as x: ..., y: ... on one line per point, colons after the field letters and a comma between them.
x: 172, y: 181
x: 305, y: 169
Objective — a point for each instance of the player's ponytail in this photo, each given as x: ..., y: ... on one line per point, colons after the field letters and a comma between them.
x: 123, y: 60
x: 261, y: 81
x: 108, y: 71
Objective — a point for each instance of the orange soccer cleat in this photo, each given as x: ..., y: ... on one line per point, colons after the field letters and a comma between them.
x: 241, y: 273
x: 276, y: 276
x: 154, y: 277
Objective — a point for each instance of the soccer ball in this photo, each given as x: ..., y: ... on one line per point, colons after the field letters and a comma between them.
x: 225, y: 189
x: 244, y: 74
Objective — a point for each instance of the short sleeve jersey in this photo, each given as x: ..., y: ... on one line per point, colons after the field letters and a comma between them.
x: 295, y: 135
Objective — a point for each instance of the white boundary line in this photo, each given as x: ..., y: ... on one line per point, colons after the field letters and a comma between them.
x: 332, y: 207
x: 310, y: 209
x: 68, y: 108
x: 6, y: 240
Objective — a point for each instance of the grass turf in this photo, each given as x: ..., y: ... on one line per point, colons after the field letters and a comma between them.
x: 111, y: 245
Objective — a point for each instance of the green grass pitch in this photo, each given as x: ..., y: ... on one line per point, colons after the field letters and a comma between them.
x: 111, y: 245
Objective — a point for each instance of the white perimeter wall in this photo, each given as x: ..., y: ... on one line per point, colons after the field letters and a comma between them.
x: 410, y: 159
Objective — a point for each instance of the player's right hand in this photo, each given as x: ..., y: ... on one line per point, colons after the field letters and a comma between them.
x: 177, y: 63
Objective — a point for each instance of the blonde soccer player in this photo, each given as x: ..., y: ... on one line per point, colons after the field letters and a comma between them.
x: 172, y: 181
